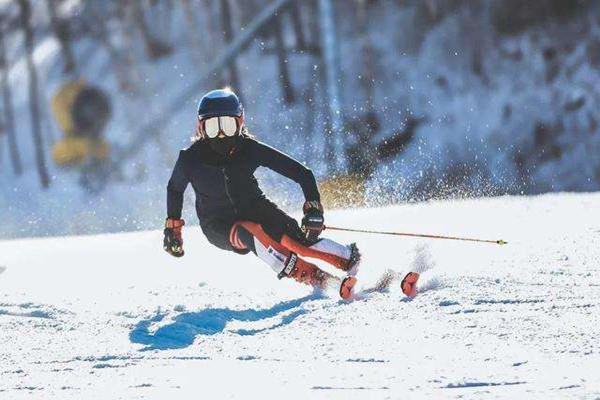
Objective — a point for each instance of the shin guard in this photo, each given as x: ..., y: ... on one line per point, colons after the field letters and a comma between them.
x: 338, y: 255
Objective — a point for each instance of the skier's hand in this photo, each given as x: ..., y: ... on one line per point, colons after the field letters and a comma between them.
x: 313, y: 222
x: 173, y: 242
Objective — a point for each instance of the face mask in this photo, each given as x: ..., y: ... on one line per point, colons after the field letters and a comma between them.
x: 223, y: 146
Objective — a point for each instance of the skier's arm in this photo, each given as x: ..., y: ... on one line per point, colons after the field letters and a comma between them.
x: 173, y: 241
x: 175, y: 189
x: 313, y: 222
x: 285, y: 165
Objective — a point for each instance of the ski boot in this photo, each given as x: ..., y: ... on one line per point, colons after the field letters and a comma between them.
x: 354, y: 260
x: 409, y: 284
x: 309, y: 274
x: 305, y: 272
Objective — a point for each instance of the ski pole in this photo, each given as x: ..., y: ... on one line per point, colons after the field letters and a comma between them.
x: 334, y: 228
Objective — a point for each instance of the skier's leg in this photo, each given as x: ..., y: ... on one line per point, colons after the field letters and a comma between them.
x: 218, y: 233
x: 250, y: 235
x: 336, y: 254
x: 286, y: 231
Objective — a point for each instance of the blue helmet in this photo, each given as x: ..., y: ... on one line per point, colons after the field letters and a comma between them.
x: 218, y: 103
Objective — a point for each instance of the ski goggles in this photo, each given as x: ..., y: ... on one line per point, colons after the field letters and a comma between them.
x: 230, y: 126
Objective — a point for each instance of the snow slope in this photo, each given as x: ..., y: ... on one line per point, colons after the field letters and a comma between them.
x: 112, y: 316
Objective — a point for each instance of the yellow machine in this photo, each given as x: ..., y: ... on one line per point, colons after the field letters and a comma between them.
x: 81, y: 111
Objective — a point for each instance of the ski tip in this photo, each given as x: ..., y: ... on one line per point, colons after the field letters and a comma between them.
x: 409, y: 284
x: 347, y: 287
x: 501, y: 242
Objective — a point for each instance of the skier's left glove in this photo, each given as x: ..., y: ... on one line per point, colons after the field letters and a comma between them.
x: 173, y: 242
x: 313, y: 222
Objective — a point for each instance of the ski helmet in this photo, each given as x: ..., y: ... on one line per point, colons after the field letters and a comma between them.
x: 221, y: 103
x: 218, y: 103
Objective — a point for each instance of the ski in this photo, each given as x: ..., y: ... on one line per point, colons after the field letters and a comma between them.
x: 408, y: 283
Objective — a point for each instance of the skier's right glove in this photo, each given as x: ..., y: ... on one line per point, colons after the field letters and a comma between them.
x: 173, y: 242
x: 313, y: 222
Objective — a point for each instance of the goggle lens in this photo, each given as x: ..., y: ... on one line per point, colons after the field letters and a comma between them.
x: 227, y: 125
x: 211, y: 127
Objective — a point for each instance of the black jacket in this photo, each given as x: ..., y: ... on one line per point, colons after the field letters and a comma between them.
x: 225, y: 187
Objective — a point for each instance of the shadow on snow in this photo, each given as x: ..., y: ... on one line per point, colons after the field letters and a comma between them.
x: 185, y: 327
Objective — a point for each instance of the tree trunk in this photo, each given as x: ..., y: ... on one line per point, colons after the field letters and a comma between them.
x: 308, y: 93
x: 9, y: 120
x: 25, y: 16
x: 155, y: 48
x: 361, y: 155
x: 296, y: 17
x: 195, y: 34
x: 228, y: 36
x: 368, y: 76
x: 122, y: 61
x: 211, y: 22
x: 476, y: 28
x: 60, y: 27
x: 313, y: 37
x: 318, y: 92
x: 209, y: 16
x: 284, y: 74
x: 332, y: 82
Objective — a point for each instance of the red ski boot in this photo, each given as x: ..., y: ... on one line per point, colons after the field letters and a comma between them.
x: 305, y: 272
x: 409, y: 284
x: 309, y: 274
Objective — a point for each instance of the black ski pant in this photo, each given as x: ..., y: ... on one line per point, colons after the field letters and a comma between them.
x: 271, y: 218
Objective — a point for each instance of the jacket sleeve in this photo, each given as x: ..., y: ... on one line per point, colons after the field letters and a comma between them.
x: 175, y: 189
x: 285, y: 165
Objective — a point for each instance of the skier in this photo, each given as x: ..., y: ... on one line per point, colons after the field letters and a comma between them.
x: 234, y: 213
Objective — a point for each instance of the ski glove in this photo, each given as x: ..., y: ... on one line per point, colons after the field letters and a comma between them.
x: 173, y: 242
x: 313, y: 221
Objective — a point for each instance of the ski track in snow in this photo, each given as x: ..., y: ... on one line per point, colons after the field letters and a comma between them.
x: 111, y: 316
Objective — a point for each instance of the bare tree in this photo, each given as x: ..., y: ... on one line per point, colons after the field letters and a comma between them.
x: 195, y: 35
x: 228, y: 36
x: 363, y: 155
x: 155, y: 48
x: 330, y: 62
x: 366, y: 48
x: 295, y: 13
x: 126, y: 72
x: 60, y: 27
x: 2, y: 134
x: 9, y: 120
x: 25, y: 19
x: 284, y: 73
x: 210, y: 15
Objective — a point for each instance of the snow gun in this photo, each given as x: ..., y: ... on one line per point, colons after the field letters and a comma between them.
x: 420, y: 235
